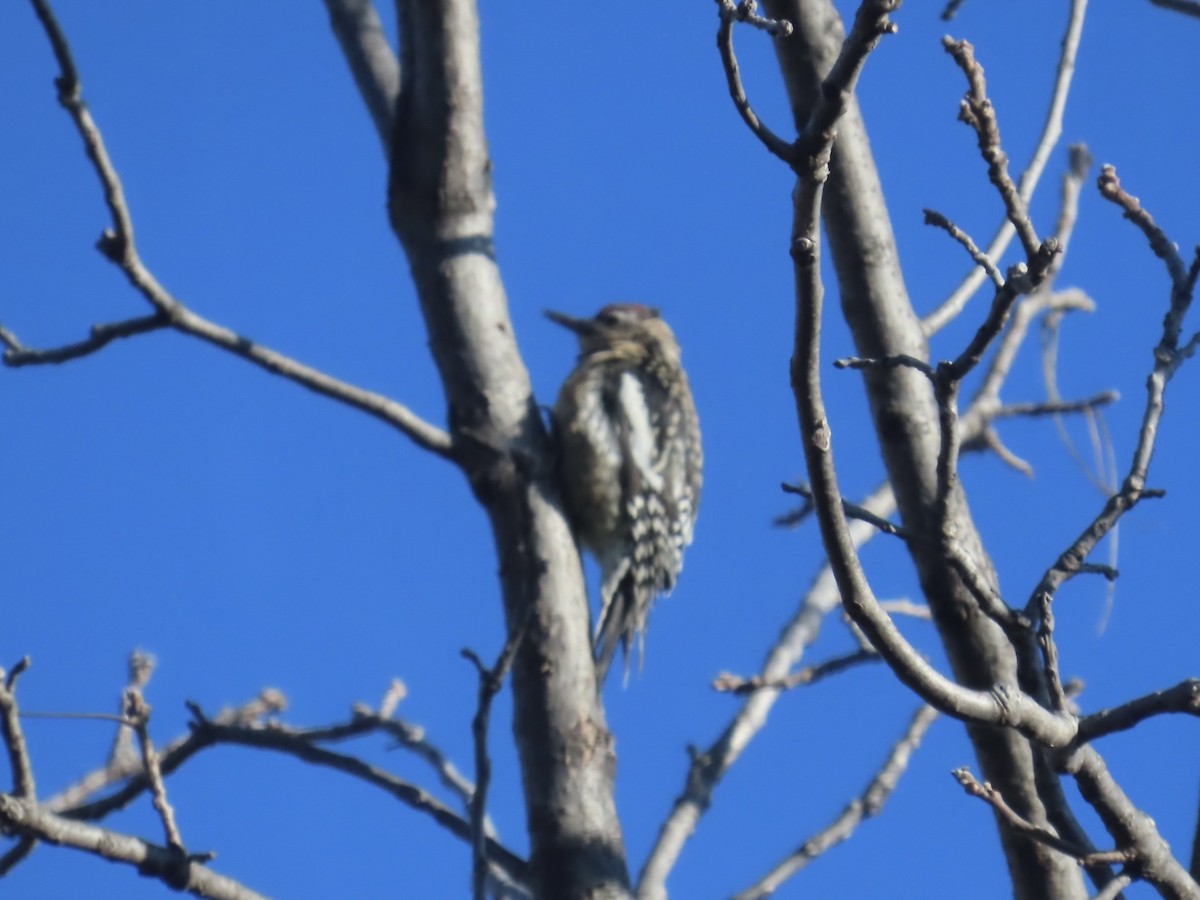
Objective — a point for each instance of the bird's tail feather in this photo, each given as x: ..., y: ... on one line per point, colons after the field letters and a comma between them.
x: 615, y: 627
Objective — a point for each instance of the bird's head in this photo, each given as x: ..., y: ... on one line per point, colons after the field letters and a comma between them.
x: 621, y: 328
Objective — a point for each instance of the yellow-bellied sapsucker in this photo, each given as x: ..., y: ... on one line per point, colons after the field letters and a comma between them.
x: 630, y: 463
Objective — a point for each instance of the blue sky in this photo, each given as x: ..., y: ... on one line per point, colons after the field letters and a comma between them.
x: 166, y: 496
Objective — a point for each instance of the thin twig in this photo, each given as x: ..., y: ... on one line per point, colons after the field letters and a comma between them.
x: 899, y: 361
x: 981, y: 259
x: 123, y: 760
x: 747, y: 11
x: 1042, y: 302
x: 1051, y: 130
x: 853, y: 511
x: 1079, y: 165
x: 990, y: 440
x: 985, y: 407
x: 1167, y: 359
x: 728, y: 13
x: 1194, y: 868
x: 989, y: 599
x: 871, y: 23
x: 1058, y: 696
x: 24, y: 785
x: 19, y: 852
x: 490, y: 682
x: 81, y: 716
x: 865, y: 806
x: 1182, y: 279
x: 951, y: 9
x: 138, y: 711
x: 414, y: 739
x: 1109, y: 572
x: 1187, y: 7
x: 1056, y: 407
x: 728, y: 683
x: 1020, y: 279
x: 1182, y: 698
x: 906, y: 608
x: 17, y: 354
x: 1100, y: 478
x: 1021, y: 825
x: 976, y: 110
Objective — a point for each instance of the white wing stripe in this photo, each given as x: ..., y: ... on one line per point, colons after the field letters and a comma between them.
x: 641, y: 435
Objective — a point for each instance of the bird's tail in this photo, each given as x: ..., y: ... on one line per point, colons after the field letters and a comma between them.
x: 616, y: 627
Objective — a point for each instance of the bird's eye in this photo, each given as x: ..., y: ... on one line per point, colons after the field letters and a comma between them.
x: 608, y: 318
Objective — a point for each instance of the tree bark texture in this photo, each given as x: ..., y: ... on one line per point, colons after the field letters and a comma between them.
x: 441, y: 204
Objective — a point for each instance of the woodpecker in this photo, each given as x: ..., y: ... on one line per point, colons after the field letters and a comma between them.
x: 630, y: 464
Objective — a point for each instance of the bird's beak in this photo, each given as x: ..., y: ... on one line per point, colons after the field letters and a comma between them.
x: 572, y: 323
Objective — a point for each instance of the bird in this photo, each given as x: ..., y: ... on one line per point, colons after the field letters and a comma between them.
x: 630, y: 464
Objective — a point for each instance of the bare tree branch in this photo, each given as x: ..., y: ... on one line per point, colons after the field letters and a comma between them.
x: 728, y: 683
x: 1182, y: 698
x: 208, y: 732
x: 14, y: 857
x: 17, y: 354
x: 981, y: 259
x: 1056, y: 407
x: 1187, y: 7
x: 1051, y: 130
x: 1043, y: 835
x: 163, y: 863
x: 1168, y: 356
x: 118, y: 246
x: 414, y: 739
x: 729, y: 13
x: 138, y: 710
x: 1058, y: 695
x: 1133, y: 831
x: 1112, y: 890
x: 507, y: 869
x: 24, y: 785
x: 125, y: 767
x: 21, y: 815
x: 871, y: 23
x: 853, y: 511
x: 1194, y: 868
x: 865, y: 806
x: 876, y: 305
x: 977, y: 111
x: 1005, y: 704
x: 951, y: 9
x: 895, y: 361
x: 709, y: 766
x: 490, y: 682
x: 906, y: 608
x: 371, y: 60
